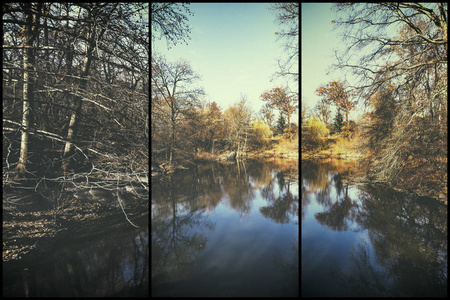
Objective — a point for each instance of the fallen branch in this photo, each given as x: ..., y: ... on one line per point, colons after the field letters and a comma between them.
x: 120, y: 203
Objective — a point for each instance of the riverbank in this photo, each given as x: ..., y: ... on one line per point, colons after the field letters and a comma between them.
x: 228, y: 157
x: 330, y: 154
x: 278, y: 147
x: 335, y: 147
x: 32, y: 221
x: 360, y: 174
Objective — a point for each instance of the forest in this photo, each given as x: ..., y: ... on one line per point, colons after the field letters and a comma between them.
x: 185, y: 129
x: 400, y: 138
x: 75, y: 112
x: 75, y: 90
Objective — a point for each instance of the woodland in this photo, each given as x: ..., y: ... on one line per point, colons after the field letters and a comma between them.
x: 75, y: 118
x: 75, y: 90
x: 401, y: 138
x: 186, y: 130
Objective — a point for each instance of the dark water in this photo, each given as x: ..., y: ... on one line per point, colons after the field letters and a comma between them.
x: 368, y: 240
x: 226, y: 230
x: 104, y: 260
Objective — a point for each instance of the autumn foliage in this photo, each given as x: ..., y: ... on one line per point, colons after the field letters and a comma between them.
x: 280, y: 99
x: 334, y: 93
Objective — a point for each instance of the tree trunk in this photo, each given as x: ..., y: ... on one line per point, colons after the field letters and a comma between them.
x: 237, y: 153
x: 245, y: 142
x: 172, y: 141
x: 28, y: 64
x: 73, y: 125
x: 75, y: 116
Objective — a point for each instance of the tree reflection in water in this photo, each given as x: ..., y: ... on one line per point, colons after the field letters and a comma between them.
x: 409, y: 237
x: 364, y: 279
x: 402, y: 245
x: 282, y: 206
x: 102, y: 265
x: 175, y: 245
x: 219, y: 223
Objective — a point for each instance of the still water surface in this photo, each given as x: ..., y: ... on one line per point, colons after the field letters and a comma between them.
x: 102, y: 257
x: 226, y: 230
x: 368, y: 240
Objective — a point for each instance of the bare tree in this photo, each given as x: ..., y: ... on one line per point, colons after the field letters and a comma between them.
x: 29, y: 32
x: 366, y: 28
x: 323, y: 111
x: 175, y: 93
x: 266, y: 114
x: 74, y: 118
x: 73, y: 54
x: 170, y: 21
x: 398, y: 51
x: 238, y: 119
x: 287, y: 15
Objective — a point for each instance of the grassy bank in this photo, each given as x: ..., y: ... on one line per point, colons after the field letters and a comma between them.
x: 278, y: 146
x: 335, y: 147
x: 415, y: 178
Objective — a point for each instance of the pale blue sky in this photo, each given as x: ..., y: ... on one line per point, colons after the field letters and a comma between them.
x: 317, y: 53
x: 319, y: 42
x: 233, y: 48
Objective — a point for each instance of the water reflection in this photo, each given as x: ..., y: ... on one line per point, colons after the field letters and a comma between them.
x: 289, y: 265
x: 384, y: 243
x: 281, y: 206
x: 226, y: 230
x: 174, y: 244
x: 105, y: 265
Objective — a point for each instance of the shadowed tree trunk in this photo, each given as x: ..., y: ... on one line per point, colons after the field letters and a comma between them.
x: 74, y: 118
x: 28, y: 35
x: 69, y: 149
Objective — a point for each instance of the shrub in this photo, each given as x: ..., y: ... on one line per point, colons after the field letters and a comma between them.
x: 314, y: 131
x: 261, y: 133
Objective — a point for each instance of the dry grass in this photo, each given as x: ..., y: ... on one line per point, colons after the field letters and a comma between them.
x: 286, y: 145
x: 205, y: 156
x: 344, y: 147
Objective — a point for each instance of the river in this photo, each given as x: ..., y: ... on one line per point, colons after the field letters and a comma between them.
x: 368, y: 240
x: 226, y: 230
